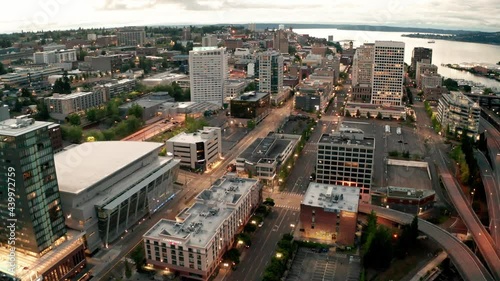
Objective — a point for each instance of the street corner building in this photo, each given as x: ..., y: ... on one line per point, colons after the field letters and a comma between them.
x: 193, y: 244
x: 329, y: 213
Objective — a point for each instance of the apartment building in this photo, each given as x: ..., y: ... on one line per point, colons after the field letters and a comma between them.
x: 208, y: 74
x: 388, y: 73
x: 458, y: 114
x: 61, y: 106
x: 329, y: 213
x: 131, y: 37
x: 269, y: 70
x: 280, y: 41
x: 199, y: 150
x: 431, y: 80
x: 362, y: 65
x: 424, y: 68
x: 193, y: 244
x: 346, y: 158
x: 420, y: 54
x: 117, y: 87
x: 210, y: 40
x: 233, y: 89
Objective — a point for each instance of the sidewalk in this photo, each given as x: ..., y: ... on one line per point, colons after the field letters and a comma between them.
x: 422, y: 274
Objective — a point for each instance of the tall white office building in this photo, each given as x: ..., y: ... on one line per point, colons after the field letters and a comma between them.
x: 208, y: 74
x: 388, y: 73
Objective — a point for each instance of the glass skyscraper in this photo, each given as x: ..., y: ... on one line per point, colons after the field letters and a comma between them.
x: 27, y: 169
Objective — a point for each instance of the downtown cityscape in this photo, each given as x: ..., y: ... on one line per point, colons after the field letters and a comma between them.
x: 233, y: 143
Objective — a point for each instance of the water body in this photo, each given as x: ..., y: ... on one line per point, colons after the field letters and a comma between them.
x: 443, y: 51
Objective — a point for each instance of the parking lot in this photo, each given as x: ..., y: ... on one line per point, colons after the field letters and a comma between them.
x: 313, y: 266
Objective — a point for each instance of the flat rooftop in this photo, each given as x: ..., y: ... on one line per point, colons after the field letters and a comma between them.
x: 196, y: 225
x: 17, y: 127
x: 27, y: 267
x: 70, y: 96
x: 375, y: 106
x: 166, y: 75
x: 194, y: 137
x: 84, y: 165
x: 352, y: 138
x: 408, y: 192
x: 268, y: 148
x: 251, y: 96
x: 332, y: 197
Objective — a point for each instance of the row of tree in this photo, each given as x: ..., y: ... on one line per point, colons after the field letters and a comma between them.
x: 381, y: 245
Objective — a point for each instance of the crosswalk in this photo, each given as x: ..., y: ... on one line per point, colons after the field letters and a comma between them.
x: 294, y: 208
x: 293, y: 194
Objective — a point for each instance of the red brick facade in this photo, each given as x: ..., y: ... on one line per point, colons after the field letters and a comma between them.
x: 320, y: 224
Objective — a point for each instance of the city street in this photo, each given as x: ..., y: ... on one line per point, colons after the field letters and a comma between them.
x: 107, y: 259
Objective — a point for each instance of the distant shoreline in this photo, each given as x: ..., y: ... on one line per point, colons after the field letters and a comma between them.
x: 492, y: 38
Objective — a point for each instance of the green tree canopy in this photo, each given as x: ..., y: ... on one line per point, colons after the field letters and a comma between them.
x: 71, y: 133
x: 74, y: 119
x: 136, y: 110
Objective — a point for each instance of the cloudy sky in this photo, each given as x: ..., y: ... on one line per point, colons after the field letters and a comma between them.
x: 62, y: 14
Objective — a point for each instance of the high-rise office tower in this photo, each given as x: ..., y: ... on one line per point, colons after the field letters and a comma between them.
x: 269, y: 70
x: 131, y: 36
x: 388, y: 73
x: 29, y: 181
x: 420, y: 54
x: 362, y: 65
x: 346, y: 158
x: 208, y: 74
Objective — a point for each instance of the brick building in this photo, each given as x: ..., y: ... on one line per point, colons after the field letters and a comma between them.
x: 329, y: 213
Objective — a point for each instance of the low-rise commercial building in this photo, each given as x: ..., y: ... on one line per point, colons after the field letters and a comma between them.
x: 264, y: 157
x: 107, y: 63
x: 365, y: 110
x: 165, y: 78
x: 405, y: 199
x: 458, y: 114
x: 123, y: 181
x: 313, y: 95
x: 151, y: 105
x: 61, y: 106
x: 251, y: 105
x: 329, y: 213
x: 55, y: 56
x: 361, y: 93
x: 29, y: 77
x: 197, y: 151
x: 233, y: 88
x: 193, y: 244
x: 117, y: 87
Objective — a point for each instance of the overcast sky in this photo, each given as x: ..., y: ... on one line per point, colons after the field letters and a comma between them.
x: 32, y: 15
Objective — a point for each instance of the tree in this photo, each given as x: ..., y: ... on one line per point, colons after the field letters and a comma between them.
x: 379, y: 115
x: 368, y: 115
x: 91, y: 115
x: 74, y: 119
x: 347, y: 113
x: 450, y: 84
x: 249, y: 227
x: 138, y: 257
x: 269, y: 201
x: 62, y: 85
x: 233, y: 255
x: 251, y: 124
x: 487, y: 91
x: 380, y: 251
x: 136, y: 110
x: 128, y: 270
x: 250, y: 87
x: 43, y: 112
x: 2, y: 69
x: 72, y: 134
x: 358, y: 113
x: 467, y: 88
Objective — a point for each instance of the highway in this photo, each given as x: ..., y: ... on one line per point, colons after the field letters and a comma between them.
x: 492, y: 197
x: 493, y: 190
x: 481, y: 236
x: 469, y: 266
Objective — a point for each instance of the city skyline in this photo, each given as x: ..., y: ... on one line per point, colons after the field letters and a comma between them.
x: 28, y: 15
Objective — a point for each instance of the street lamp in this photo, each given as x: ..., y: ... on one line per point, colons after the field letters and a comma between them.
x: 279, y: 255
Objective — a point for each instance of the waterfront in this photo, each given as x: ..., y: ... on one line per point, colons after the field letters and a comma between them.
x: 444, y: 51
